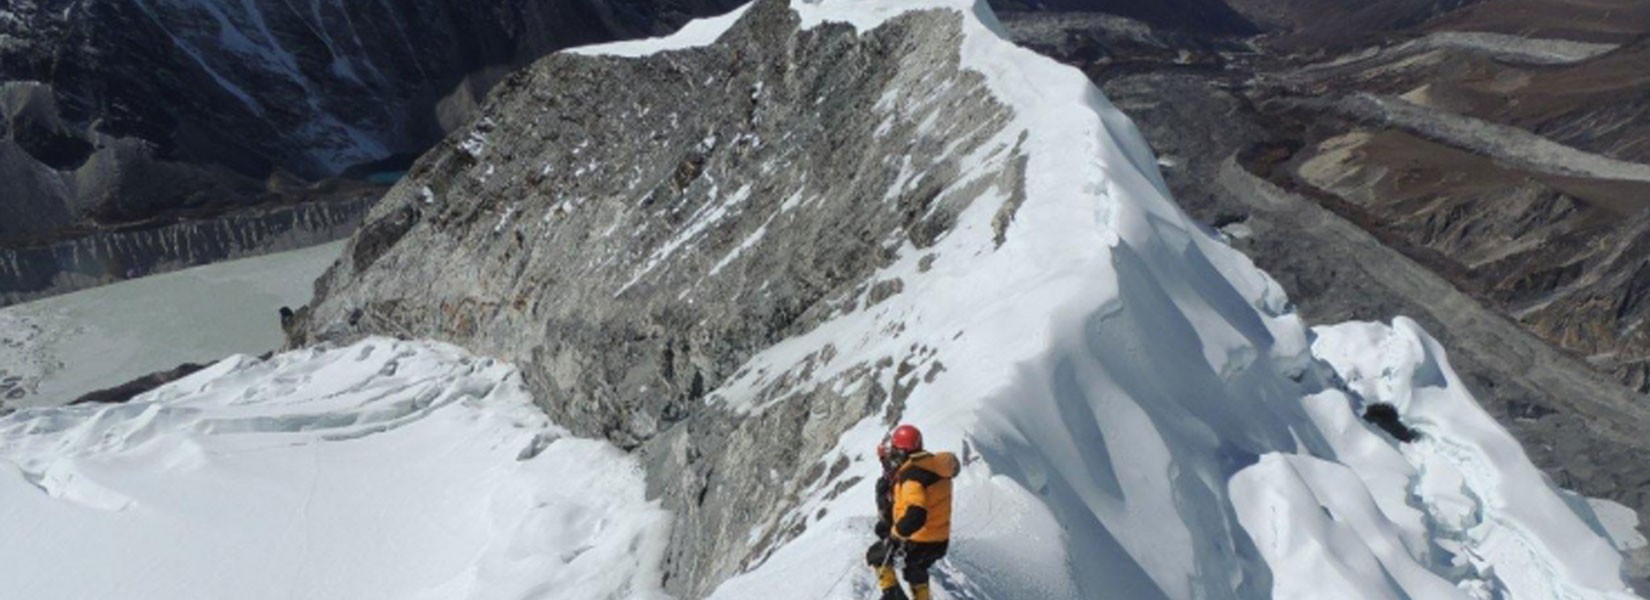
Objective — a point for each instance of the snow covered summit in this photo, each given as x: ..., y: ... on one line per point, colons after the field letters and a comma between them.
x: 744, y: 252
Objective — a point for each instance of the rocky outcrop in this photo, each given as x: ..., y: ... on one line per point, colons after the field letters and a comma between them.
x: 309, y: 88
x: 128, y: 112
x: 116, y: 114
x: 631, y: 251
x: 1109, y: 45
x: 83, y: 209
x: 125, y: 392
x: 58, y: 177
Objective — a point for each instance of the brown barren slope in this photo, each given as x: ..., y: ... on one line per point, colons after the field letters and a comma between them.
x: 1612, y: 21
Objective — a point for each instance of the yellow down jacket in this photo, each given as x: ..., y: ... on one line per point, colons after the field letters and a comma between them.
x: 922, y: 497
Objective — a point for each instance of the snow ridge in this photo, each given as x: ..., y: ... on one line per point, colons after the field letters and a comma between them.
x: 1140, y: 414
x: 1147, y: 415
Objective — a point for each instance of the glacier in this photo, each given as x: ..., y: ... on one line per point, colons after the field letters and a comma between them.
x: 55, y: 350
x: 1140, y: 412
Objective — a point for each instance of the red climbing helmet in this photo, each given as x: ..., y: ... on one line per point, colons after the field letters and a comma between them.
x: 906, y: 438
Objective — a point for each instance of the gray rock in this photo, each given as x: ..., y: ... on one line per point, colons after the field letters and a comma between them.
x: 128, y: 114
x: 309, y: 88
x: 629, y: 252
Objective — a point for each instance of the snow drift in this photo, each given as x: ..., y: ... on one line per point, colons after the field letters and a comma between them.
x: 380, y: 470
x: 945, y: 230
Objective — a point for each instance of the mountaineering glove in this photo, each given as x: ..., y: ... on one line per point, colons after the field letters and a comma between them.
x: 883, y: 552
x: 882, y: 528
x: 912, y: 522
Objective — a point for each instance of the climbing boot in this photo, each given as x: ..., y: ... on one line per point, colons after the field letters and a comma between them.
x: 888, y: 582
x: 919, y: 592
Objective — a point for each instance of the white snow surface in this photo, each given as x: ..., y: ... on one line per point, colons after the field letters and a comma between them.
x: 695, y: 34
x: 1620, y: 523
x: 1483, y: 503
x: 1142, y: 412
x: 384, y: 469
x: 61, y: 347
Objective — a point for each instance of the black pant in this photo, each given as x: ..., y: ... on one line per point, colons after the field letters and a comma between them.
x: 919, y: 557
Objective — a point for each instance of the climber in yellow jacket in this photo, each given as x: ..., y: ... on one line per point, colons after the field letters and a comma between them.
x: 917, y: 485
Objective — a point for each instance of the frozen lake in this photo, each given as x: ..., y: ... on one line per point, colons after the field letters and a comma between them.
x: 54, y: 350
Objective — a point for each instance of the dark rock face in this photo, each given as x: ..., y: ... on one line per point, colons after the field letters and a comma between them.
x: 308, y: 88
x: 1385, y: 416
x: 126, y: 391
x: 116, y: 113
x: 1112, y: 45
x: 630, y: 252
x: 1207, y: 17
x: 53, y: 179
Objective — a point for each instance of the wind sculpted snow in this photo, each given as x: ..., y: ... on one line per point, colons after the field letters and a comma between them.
x: 384, y: 469
x: 849, y: 213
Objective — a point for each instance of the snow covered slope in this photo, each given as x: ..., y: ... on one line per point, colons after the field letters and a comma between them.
x: 849, y: 213
x: 1150, y: 418
x: 380, y: 470
x: 54, y: 350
